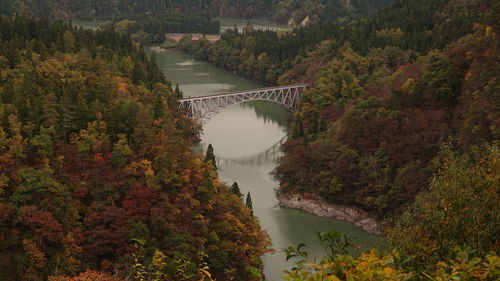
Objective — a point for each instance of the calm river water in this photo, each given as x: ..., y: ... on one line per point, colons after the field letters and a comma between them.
x: 243, y: 138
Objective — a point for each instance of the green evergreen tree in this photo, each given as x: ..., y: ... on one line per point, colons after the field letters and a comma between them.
x: 235, y: 189
x: 137, y: 74
x: 155, y: 75
x: 178, y: 93
x: 157, y: 106
x: 210, y: 156
x: 248, y: 203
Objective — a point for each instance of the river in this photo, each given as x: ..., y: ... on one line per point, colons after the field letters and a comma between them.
x: 243, y: 138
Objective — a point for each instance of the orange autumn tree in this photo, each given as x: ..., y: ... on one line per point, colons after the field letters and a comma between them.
x: 95, y: 153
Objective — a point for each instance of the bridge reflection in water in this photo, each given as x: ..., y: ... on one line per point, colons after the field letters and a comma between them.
x: 269, y: 155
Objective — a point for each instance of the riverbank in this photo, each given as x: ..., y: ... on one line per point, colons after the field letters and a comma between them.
x: 157, y: 48
x: 244, y: 131
x: 318, y: 206
x: 176, y: 37
x: 313, y: 205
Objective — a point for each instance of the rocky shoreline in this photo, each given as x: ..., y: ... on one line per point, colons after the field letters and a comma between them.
x: 318, y: 206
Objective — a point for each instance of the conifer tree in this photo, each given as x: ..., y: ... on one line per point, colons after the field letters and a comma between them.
x: 248, y: 203
x: 137, y: 74
x: 157, y: 106
x: 178, y: 93
x: 298, y: 127
x: 210, y: 156
x: 235, y: 189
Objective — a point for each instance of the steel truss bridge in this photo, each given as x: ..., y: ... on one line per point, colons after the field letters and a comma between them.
x: 204, y: 108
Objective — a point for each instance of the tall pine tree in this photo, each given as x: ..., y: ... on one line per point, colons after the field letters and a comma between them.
x: 248, y: 203
x: 210, y: 156
x: 235, y: 189
x: 178, y: 93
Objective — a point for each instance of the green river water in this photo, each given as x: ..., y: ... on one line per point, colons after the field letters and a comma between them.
x: 243, y: 137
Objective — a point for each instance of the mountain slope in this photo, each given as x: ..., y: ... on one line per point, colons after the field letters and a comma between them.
x: 279, y: 11
x: 368, y: 130
x: 97, y: 167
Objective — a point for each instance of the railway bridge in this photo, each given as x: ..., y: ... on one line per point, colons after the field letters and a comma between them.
x: 204, y: 108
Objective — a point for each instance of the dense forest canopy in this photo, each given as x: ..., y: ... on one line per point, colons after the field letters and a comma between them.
x: 265, y: 55
x: 281, y: 11
x: 97, y: 170
x: 378, y: 112
x: 444, y: 235
x: 149, y: 30
x: 402, y: 120
x: 409, y: 134
x: 388, y: 93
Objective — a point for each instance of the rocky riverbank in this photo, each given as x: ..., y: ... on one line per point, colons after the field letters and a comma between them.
x: 318, y: 206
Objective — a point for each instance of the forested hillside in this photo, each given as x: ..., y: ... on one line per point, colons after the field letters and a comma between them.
x: 406, y: 25
x: 387, y: 91
x: 294, y: 12
x: 97, y: 170
x: 449, y: 233
x: 149, y: 30
x: 280, y: 11
x: 402, y: 120
x: 369, y: 128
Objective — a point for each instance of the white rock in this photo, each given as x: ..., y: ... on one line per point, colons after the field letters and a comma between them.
x: 318, y: 206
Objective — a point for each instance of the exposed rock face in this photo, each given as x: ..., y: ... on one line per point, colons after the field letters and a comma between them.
x: 293, y: 21
x: 318, y: 206
x: 305, y: 21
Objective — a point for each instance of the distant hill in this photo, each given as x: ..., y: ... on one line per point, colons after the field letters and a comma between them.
x: 286, y: 11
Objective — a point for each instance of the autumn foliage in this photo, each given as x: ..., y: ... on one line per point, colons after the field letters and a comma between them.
x: 411, y: 137
x: 366, y: 132
x: 94, y: 153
